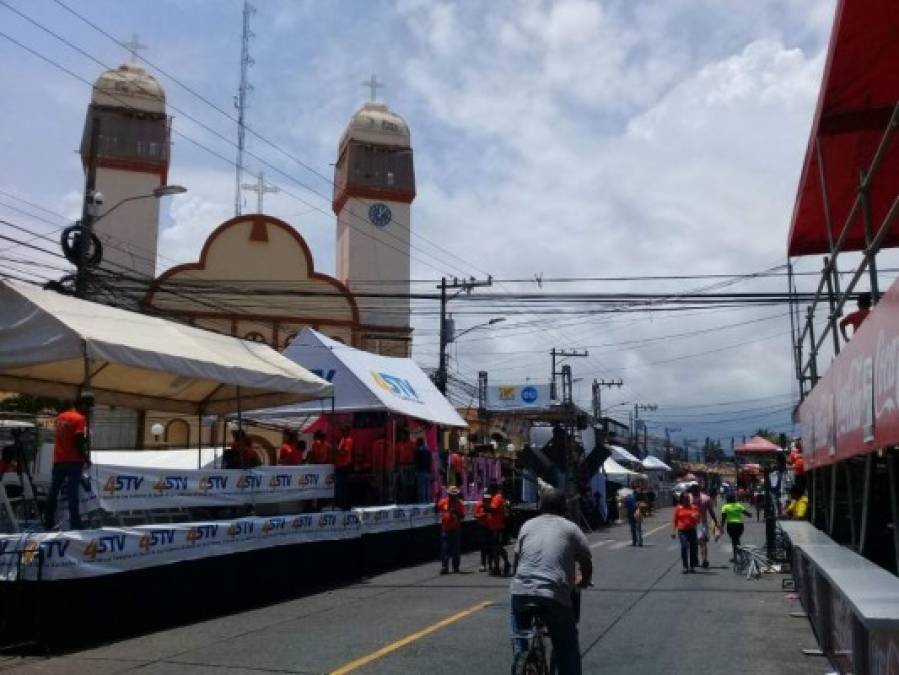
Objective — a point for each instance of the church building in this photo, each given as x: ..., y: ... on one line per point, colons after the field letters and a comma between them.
x: 255, y: 277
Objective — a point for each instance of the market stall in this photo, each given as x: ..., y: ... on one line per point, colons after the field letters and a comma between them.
x: 387, y: 403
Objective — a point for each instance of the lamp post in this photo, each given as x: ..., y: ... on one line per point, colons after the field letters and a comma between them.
x: 80, y: 244
x: 448, y: 335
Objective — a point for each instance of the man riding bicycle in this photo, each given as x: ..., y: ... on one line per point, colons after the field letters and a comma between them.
x: 547, y: 549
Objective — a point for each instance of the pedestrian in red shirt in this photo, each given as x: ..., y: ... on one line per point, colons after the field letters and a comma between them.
x: 70, y: 455
x: 683, y: 526
x: 343, y: 461
x: 288, y: 454
x: 320, y: 453
x: 856, y: 318
x: 496, y: 521
x: 452, y: 513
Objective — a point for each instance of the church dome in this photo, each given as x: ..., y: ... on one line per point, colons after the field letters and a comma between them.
x: 129, y: 86
x: 376, y: 123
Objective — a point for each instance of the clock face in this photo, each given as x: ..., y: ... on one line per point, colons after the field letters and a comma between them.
x: 379, y: 214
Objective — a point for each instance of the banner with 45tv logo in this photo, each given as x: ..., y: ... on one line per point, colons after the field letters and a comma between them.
x: 121, y: 488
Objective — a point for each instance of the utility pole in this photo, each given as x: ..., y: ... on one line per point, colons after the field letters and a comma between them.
x: 446, y: 329
x: 635, y: 434
x: 85, y: 233
x: 561, y: 355
x: 240, y: 101
x: 597, y: 394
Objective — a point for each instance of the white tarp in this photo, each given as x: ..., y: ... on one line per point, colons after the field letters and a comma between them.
x: 112, y: 550
x: 619, y: 454
x: 362, y: 381
x: 651, y: 463
x: 136, y: 360
x: 614, y: 471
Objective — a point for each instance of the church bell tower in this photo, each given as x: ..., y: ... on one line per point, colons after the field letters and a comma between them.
x: 374, y: 186
x: 132, y: 159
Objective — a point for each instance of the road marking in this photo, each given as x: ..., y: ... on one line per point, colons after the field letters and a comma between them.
x: 656, y: 529
x: 618, y: 546
x: 399, y: 644
x: 601, y: 543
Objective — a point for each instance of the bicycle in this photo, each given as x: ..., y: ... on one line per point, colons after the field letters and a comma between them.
x: 533, y: 661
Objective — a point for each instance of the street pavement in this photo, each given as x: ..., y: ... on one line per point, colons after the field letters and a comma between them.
x: 642, y: 617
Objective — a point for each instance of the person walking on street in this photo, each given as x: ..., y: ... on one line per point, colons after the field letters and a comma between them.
x: 732, y: 516
x: 703, y: 502
x: 496, y: 521
x: 683, y: 526
x: 71, y: 452
x: 452, y: 513
x: 423, y: 470
x: 548, y: 551
x: 481, y: 514
x: 634, y: 518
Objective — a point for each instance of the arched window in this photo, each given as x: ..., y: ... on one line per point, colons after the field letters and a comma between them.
x: 177, y: 433
x: 290, y: 338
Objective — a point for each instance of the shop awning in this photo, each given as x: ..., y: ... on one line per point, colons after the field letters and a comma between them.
x: 49, y: 342
x: 362, y: 382
x: 651, y: 463
x: 619, y: 454
x: 858, y: 93
x: 615, y: 472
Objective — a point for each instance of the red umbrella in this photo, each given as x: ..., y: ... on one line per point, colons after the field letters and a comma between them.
x: 757, y: 446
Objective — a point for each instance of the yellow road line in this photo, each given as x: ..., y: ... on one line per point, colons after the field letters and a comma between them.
x: 399, y: 644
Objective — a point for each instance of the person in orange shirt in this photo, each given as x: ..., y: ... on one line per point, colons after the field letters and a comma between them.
x: 496, y: 521
x: 70, y: 455
x: 452, y: 512
x: 683, y: 526
x: 288, y: 454
x: 320, y: 452
x: 343, y: 461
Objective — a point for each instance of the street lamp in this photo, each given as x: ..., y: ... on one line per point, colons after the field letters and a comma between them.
x: 452, y: 335
x: 157, y: 193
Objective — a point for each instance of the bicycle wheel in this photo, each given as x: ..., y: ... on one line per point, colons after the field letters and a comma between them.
x: 530, y: 662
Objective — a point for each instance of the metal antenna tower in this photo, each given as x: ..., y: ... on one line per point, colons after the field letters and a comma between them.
x: 240, y: 101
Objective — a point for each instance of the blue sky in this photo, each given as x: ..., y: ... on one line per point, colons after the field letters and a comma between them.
x: 565, y: 138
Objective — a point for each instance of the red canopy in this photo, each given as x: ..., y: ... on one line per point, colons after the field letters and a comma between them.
x: 858, y: 93
x: 757, y: 446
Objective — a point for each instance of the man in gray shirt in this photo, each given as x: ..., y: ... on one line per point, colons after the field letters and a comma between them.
x: 545, y: 554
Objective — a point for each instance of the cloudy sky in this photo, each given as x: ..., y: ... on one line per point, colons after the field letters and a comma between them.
x: 564, y: 139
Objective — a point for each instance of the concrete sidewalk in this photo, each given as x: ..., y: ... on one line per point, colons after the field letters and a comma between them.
x: 643, y: 617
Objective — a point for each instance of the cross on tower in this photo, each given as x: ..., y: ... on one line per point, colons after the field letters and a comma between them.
x: 133, y: 46
x: 260, y: 188
x: 373, y: 86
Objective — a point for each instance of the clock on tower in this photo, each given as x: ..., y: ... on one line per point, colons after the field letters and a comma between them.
x: 374, y: 185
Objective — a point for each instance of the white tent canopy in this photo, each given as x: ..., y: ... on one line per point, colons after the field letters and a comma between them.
x: 52, y: 344
x: 362, y: 382
x: 651, y: 463
x: 622, y: 455
x: 614, y: 471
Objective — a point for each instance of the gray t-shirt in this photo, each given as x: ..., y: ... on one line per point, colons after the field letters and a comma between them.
x: 547, y: 549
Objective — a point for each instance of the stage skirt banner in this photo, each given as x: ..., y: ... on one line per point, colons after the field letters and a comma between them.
x: 111, y: 550
x: 120, y: 488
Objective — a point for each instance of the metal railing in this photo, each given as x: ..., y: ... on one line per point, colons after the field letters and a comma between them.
x: 829, y: 286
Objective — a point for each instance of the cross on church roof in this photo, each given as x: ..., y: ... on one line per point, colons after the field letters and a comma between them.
x: 373, y: 86
x: 260, y: 188
x: 133, y: 46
